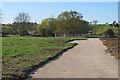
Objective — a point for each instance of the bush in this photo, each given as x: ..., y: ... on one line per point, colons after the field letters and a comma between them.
x: 6, y: 30
x: 110, y: 33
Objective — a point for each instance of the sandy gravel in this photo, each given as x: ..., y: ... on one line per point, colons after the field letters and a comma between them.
x: 86, y: 60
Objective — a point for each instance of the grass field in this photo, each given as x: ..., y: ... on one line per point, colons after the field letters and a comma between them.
x: 20, y: 55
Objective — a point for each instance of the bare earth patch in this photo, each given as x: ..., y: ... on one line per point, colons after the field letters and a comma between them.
x: 112, y: 45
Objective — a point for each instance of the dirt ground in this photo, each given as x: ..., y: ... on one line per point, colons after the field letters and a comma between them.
x: 113, y: 46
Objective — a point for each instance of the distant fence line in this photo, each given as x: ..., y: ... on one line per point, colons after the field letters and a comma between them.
x: 79, y: 35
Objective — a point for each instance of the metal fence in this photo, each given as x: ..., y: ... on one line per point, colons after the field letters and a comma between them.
x: 82, y: 35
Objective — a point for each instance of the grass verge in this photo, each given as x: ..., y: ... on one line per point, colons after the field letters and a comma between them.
x: 21, y: 55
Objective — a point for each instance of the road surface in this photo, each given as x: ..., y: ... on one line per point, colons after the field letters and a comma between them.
x: 86, y: 60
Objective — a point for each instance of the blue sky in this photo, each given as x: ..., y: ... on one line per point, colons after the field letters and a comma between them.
x: 101, y: 11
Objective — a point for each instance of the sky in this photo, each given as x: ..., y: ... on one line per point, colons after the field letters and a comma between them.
x: 38, y: 11
x: 60, y: 0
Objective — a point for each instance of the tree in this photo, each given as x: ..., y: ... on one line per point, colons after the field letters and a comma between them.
x: 114, y: 23
x: 22, y: 17
x: 67, y: 21
x: 47, y: 27
x: 103, y: 28
x: 71, y: 23
x: 22, y: 23
x: 41, y: 30
x: 6, y: 29
x: 90, y: 23
x: 117, y: 25
x: 95, y: 21
x: 106, y: 23
x: 15, y: 28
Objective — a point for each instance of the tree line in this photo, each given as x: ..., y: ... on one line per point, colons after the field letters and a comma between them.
x: 66, y: 23
x: 108, y: 29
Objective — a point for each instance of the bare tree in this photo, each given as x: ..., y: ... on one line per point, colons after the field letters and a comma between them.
x: 90, y: 23
x: 22, y: 17
x: 95, y: 21
x: 22, y: 20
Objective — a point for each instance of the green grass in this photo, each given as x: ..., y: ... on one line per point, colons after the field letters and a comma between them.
x: 21, y: 54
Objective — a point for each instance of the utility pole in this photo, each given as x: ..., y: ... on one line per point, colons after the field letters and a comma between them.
x: 52, y: 17
x: 119, y: 12
x: 52, y: 25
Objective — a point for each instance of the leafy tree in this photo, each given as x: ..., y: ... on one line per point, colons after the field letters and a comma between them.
x: 41, y: 30
x: 101, y: 29
x: 29, y: 26
x: 117, y: 25
x: 47, y: 27
x: 6, y: 29
x: 114, y: 23
x: 71, y: 23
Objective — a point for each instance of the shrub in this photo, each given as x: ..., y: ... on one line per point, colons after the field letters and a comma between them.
x: 110, y: 33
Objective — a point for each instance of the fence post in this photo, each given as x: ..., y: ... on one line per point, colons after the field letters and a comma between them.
x: 55, y: 35
x: 64, y: 35
x: 71, y: 35
x: 83, y: 35
x: 78, y: 35
x: 89, y: 35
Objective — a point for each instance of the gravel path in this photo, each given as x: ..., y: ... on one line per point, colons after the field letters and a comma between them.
x: 86, y: 60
